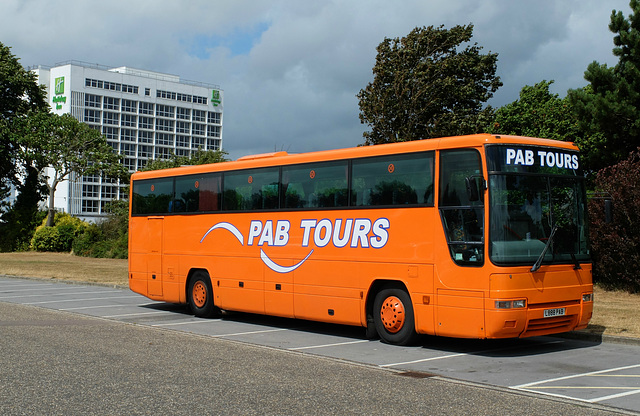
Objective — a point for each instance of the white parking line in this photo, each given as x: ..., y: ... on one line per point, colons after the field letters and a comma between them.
x: 59, y: 294
x: 33, y: 289
x: 443, y: 357
x: 202, y: 321
x: 536, y: 388
x: 102, y: 306
x: 77, y: 300
x: 123, y: 315
x: 310, y: 347
x: 250, y: 333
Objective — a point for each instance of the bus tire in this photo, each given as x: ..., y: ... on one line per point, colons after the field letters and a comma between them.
x: 200, y: 295
x: 393, y: 316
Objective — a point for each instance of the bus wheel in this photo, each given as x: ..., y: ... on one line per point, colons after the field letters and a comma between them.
x: 201, y: 295
x: 393, y: 316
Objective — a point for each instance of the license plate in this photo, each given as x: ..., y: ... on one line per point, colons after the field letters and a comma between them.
x: 550, y: 313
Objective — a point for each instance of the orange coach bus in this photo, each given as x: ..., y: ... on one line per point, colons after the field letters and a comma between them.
x: 478, y: 236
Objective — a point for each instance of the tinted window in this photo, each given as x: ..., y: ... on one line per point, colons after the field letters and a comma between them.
x: 253, y: 189
x: 197, y: 193
x: 152, y: 196
x: 393, y: 180
x: 316, y: 185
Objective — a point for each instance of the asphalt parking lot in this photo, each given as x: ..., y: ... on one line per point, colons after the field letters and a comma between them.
x: 590, y: 375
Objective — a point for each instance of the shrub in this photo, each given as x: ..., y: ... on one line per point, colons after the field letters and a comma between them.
x: 60, y: 237
x: 616, y: 246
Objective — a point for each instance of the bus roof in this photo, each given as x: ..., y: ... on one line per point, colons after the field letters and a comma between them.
x: 283, y: 158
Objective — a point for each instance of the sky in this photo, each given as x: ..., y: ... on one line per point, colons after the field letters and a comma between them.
x: 291, y: 69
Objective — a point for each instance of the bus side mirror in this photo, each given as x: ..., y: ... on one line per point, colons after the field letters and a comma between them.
x: 608, y: 211
x: 472, y: 188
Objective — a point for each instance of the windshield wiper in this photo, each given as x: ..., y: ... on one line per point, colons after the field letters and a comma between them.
x: 538, y: 262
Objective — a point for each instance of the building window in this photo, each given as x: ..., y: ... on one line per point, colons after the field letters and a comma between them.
x: 89, y: 205
x: 110, y: 118
x: 145, y: 151
x: 164, y: 125
x: 198, y: 129
x: 213, y: 144
x: 183, y: 127
x: 213, y: 131
x: 109, y: 192
x: 127, y: 135
x: 145, y: 108
x: 165, y: 111
x: 200, y: 100
x: 145, y: 137
x: 199, y: 115
x: 182, y: 141
x: 129, y: 106
x: 147, y: 91
x: 129, y: 120
x: 130, y: 164
x: 92, y: 116
x: 111, y: 103
x: 182, y: 152
x: 110, y: 133
x: 91, y: 100
x: 183, y: 113
x: 162, y: 153
x: 127, y: 149
x: 90, y: 191
x: 145, y: 123
x: 197, y: 142
x: 164, y: 139
x: 213, y: 117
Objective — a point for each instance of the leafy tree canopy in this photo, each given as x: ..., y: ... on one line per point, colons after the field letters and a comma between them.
x: 20, y: 95
x: 199, y: 157
x: 608, y: 110
x: 537, y: 113
x: 427, y: 85
x: 66, y: 146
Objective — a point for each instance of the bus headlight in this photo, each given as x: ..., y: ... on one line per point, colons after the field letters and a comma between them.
x: 587, y: 297
x: 511, y: 304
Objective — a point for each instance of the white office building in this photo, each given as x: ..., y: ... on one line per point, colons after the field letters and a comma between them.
x: 144, y: 115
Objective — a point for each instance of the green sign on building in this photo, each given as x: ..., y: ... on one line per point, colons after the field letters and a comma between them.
x: 59, y: 89
x: 215, y: 98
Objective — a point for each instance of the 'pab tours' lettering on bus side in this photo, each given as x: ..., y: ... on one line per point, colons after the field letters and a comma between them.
x: 355, y: 233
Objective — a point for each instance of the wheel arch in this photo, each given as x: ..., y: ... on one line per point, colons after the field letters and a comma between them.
x: 376, y: 286
x: 190, y: 275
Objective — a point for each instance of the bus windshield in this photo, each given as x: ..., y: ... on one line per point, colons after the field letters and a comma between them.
x: 531, y: 191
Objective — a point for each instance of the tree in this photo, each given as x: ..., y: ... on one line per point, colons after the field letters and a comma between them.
x: 20, y: 95
x: 68, y: 147
x: 615, y: 246
x: 537, y: 113
x: 608, y: 110
x: 199, y: 157
x: 425, y: 85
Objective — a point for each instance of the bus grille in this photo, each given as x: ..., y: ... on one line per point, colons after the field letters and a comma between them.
x: 554, y: 325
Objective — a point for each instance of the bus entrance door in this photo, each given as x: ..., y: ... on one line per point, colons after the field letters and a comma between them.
x: 154, y: 259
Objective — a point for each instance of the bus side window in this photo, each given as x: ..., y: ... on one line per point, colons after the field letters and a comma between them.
x: 252, y: 189
x: 315, y: 185
x: 393, y: 180
x: 152, y: 196
x: 210, y: 192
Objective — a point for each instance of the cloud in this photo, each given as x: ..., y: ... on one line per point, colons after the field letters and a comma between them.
x: 291, y: 69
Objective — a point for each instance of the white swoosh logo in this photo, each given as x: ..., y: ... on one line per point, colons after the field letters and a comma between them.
x: 226, y: 226
x: 281, y: 269
x: 265, y: 259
